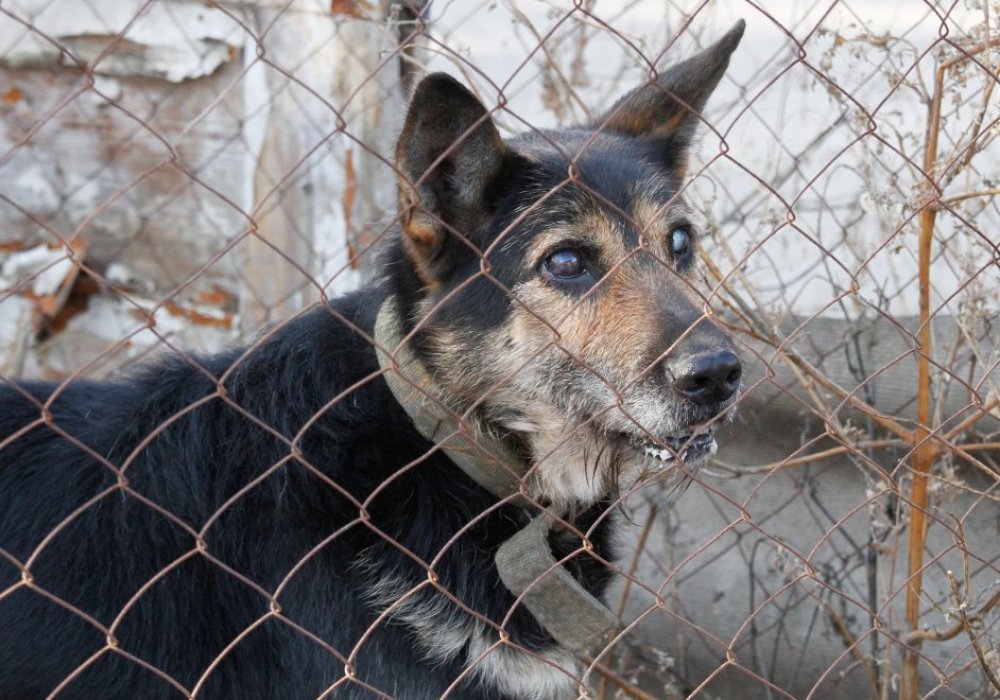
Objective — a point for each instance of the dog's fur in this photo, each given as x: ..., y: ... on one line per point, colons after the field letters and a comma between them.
x: 253, y: 524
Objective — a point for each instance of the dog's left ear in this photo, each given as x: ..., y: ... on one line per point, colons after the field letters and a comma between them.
x: 448, y: 156
x: 669, y: 109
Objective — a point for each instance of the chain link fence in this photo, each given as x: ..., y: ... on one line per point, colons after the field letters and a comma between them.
x: 182, y: 177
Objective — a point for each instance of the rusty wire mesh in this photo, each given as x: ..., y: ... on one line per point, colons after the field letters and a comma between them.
x: 183, y: 176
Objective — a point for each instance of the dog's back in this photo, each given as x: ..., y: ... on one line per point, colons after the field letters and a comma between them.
x: 91, y: 542
x: 155, y: 517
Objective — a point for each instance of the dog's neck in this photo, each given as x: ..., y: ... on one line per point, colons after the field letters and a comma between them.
x: 568, y: 612
x: 487, y: 459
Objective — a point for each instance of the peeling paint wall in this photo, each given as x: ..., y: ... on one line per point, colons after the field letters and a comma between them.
x: 173, y: 41
x: 174, y: 171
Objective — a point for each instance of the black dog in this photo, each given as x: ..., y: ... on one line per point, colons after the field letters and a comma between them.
x: 311, y: 517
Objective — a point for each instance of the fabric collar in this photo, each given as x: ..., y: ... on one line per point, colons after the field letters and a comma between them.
x: 486, y: 459
x: 571, y: 615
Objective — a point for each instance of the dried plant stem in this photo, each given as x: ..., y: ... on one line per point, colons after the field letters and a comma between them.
x: 654, y: 512
x: 810, y: 458
x: 806, y: 375
x: 968, y: 195
x: 923, y: 455
x: 957, y: 628
x: 623, y: 685
x: 843, y: 630
x: 965, y: 624
x: 924, y: 448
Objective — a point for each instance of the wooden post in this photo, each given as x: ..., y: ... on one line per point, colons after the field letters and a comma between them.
x: 323, y: 99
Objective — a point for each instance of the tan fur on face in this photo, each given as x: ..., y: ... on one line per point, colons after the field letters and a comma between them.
x: 567, y: 371
x: 616, y: 324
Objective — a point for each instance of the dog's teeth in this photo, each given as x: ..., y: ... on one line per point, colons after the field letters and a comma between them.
x: 662, y: 455
x: 708, y: 444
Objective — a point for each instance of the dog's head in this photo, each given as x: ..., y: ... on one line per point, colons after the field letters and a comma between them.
x: 550, y: 278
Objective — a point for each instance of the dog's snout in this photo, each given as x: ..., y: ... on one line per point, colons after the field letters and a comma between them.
x: 708, y: 377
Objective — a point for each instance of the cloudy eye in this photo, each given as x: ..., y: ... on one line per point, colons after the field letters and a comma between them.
x: 565, y: 264
x: 680, y: 243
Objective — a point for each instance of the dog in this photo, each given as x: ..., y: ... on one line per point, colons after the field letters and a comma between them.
x: 404, y: 492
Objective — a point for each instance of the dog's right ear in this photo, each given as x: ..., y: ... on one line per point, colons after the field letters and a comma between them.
x: 668, y: 110
x: 448, y: 155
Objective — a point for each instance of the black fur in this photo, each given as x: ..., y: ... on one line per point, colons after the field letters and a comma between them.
x: 102, y: 557
x: 224, y: 520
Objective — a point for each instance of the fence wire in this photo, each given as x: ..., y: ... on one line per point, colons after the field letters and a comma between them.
x: 178, y: 178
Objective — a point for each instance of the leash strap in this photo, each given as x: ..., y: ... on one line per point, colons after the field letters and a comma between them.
x: 561, y: 605
x: 571, y: 615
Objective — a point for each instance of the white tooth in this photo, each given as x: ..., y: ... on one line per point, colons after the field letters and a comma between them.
x: 662, y: 455
x: 713, y: 448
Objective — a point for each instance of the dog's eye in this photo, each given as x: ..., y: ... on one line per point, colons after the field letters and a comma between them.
x: 680, y: 243
x: 565, y: 264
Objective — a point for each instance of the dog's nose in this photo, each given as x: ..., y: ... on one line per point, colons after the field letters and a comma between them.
x: 707, y: 377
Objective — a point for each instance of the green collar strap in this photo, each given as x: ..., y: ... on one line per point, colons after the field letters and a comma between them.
x: 527, y: 567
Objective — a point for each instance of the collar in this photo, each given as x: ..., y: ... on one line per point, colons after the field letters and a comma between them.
x: 571, y: 615
x: 486, y: 459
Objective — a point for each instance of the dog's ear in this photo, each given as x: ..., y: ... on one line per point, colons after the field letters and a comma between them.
x: 669, y: 109
x: 448, y: 155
